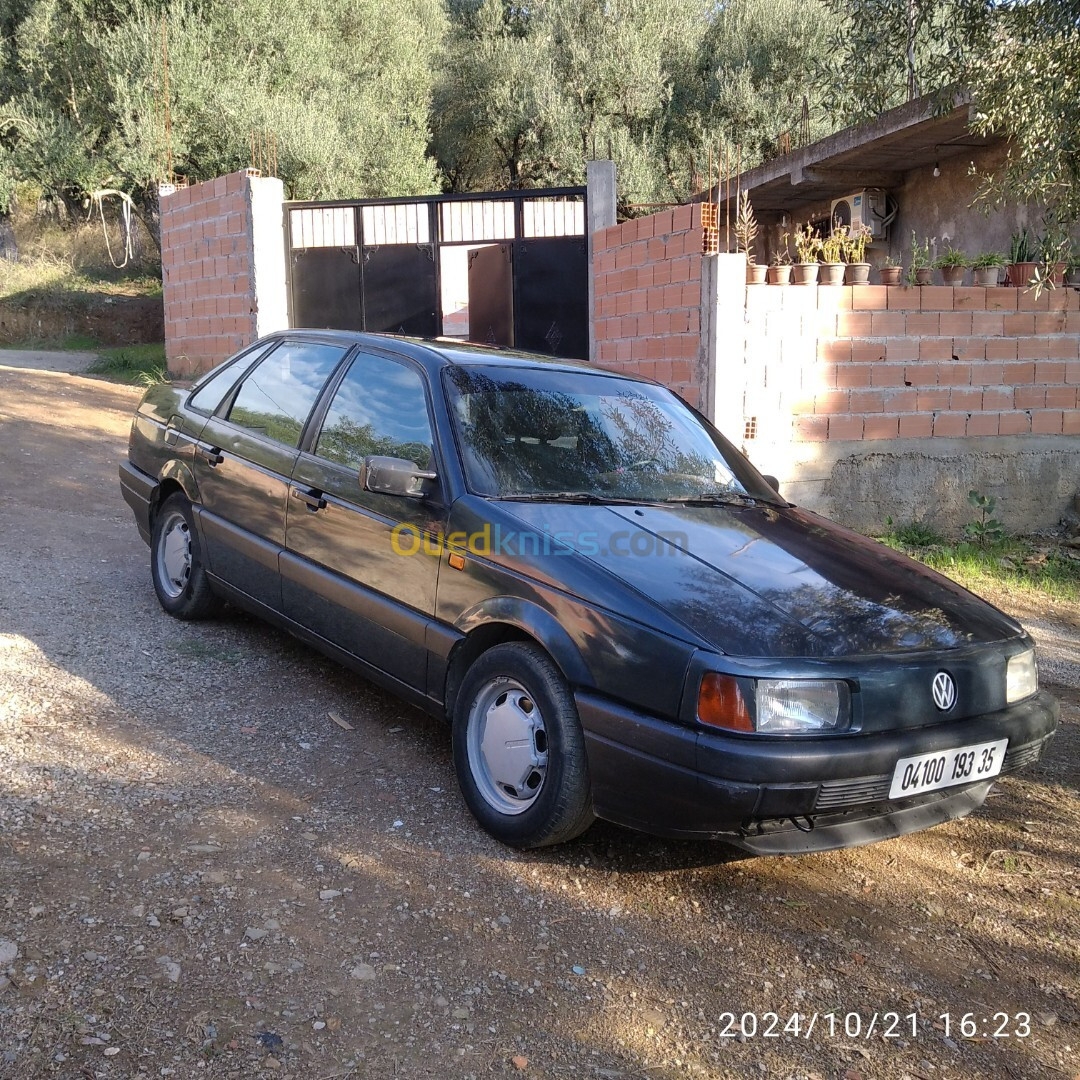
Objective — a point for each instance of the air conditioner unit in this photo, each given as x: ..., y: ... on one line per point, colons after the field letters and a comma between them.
x: 867, y: 207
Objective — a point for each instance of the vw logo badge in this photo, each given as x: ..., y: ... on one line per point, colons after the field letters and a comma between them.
x: 944, y: 690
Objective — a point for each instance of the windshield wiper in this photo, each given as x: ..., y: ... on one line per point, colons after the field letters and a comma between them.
x: 717, y: 498
x: 585, y: 497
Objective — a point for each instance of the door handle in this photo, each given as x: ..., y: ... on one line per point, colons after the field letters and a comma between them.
x: 211, y: 455
x: 312, y: 499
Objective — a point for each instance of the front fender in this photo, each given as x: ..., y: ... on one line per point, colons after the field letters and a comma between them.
x: 535, y: 621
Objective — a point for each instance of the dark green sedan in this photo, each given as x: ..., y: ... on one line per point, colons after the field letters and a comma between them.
x: 618, y: 614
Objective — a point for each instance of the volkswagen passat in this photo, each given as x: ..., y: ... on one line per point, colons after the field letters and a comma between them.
x: 619, y: 616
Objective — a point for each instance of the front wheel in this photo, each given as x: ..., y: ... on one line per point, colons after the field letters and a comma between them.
x: 176, y: 564
x: 519, y: 751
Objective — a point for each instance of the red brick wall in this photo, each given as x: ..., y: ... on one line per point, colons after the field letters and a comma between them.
x: 647, y: 297
x: 207, y: 273
x: 876, y: 362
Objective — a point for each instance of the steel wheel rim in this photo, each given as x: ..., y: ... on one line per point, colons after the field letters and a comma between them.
x: 507, y: 746
x: 174, y: 555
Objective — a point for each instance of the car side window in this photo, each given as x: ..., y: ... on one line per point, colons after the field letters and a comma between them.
x: 218, y: 382
x: 277, y: 396
x: 379, y: 408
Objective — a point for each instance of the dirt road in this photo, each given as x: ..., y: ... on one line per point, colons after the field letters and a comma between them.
x: 202, y: 875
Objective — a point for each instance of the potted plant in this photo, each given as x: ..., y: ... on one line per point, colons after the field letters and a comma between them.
x: 1054, y: 254
x: 779, y: 272
x: 832, y: 256
x: 746, y: 230
x: 1021, y: 264
x: 807, y: 248
x: 920, y: 272
x: 987, y: 268
x: 854, y: 243
x: 953, y: 265
x: 1072, y: 267
x: 890, y: 271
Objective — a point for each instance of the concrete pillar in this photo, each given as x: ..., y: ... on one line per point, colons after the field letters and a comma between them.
x: 600, y: 207
x: 268, y: 270
x: 720, y: 360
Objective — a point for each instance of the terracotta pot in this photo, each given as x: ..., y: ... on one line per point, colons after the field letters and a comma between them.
x: 805, y: 273
x: 1020, y: 274
x: 755, y: 274
x: 831, y: 274
x: 953, y: 275
x: 890, y: 275
x: 779, y: 274
x: 987, y: 276
x: 857, y: 274
x: 1057, y: 274
x: 924, y: 275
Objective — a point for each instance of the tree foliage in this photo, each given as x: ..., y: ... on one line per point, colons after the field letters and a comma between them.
x: 343, y: 89
x: 393, y: 97
x: 1026, y: 86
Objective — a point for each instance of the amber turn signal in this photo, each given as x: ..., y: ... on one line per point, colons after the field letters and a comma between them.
x: 721, y: 703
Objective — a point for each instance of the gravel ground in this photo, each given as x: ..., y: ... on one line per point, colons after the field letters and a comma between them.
x: 201, y: 874
x: 71, y: 361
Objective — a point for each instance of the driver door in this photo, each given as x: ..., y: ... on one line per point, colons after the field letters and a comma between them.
x: 343, y: 575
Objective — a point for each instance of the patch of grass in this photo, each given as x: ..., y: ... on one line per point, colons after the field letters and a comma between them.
x: 141, y: 364
x: 51, y: 279
x: 1024, y: 565
x: 914, y: 534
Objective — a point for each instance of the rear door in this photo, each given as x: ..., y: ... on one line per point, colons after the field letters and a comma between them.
x: 347, y: 574
x: 244, y: 458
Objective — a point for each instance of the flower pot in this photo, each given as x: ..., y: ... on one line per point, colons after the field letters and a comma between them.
x: 857, y: 274
x: 806, y: 273
x: 1057, y: 275
x: 755, y: 274
x: 987, y: 276
x: 953, y: 275
x: 779, y: 275
x: 890, y: 275
x: 831, y: 274
x: 924, y: 275
x: 1021, y: 273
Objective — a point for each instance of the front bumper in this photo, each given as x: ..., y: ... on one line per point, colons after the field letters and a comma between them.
x: 787, y: 796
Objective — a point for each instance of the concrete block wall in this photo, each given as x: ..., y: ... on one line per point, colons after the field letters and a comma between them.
x: 875, y: 402
x: 222, y: 268
x: 647, y: 297
x: 877, y: 363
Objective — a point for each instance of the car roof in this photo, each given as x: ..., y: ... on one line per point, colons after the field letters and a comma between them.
x: 445, y: 352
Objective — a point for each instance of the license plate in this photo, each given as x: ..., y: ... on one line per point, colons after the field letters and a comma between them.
x: 964, y: 765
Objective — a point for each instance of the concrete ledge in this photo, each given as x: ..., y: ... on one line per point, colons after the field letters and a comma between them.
x: 860, y: 484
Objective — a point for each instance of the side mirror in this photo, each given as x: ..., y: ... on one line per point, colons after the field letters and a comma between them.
x: 772, y: 482
x: 396, y: 476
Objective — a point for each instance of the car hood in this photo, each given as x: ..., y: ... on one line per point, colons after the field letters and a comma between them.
x: 766, y: 581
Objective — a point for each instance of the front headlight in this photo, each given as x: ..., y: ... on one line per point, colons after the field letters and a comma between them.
x: 797, y: 705
x: 774, y: 706
x: 1021, y: 677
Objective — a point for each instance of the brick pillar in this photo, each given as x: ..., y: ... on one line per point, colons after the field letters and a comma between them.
x: 222, y: 268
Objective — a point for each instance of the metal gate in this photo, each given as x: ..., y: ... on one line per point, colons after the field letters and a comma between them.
x: 379, y: 265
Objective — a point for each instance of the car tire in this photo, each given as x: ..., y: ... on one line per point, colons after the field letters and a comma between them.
x: 519, y: 751
x: 176, y: 563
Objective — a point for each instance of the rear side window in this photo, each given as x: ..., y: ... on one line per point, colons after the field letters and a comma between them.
x: 276, y: 398
x: 220, y: 381
x: 379, y: 408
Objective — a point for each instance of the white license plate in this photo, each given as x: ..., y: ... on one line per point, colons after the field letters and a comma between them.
x: 964, y: 765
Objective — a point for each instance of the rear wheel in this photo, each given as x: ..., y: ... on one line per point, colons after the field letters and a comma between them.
x: 176, y: 563
x: 519, y: 751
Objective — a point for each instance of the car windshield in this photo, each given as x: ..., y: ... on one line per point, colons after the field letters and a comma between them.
x: 557, y: 434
